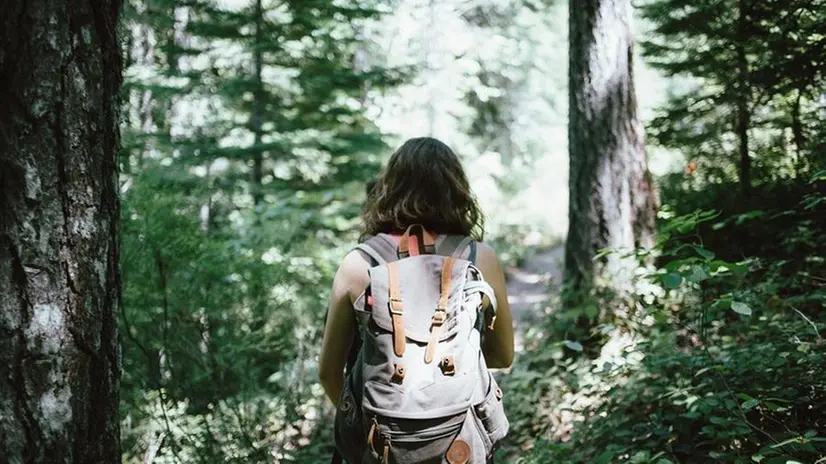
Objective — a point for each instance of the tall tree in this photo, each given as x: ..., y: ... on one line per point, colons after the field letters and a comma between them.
x: 743, y: 97
x: 60, y: 73
x: 741, y: 53
x: 612, y: 202
x: 258, y: 133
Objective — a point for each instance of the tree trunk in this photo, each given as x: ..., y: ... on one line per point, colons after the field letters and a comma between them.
x: 60, y: 73
x: 743, y: 98
x: 258, y: 106
x: 612, y: 200
x: 798, y: 134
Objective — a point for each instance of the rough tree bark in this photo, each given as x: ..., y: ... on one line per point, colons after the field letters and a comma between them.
x: 60, y: 73
x: 612, y: 201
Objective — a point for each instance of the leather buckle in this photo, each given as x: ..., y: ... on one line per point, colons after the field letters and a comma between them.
x: 398, y: 373
x: 395, y: 306
x: 448, y: 365
x: 438, y: 317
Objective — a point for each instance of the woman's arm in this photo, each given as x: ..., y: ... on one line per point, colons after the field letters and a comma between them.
x: 498, y: 343
x: 350, y: 280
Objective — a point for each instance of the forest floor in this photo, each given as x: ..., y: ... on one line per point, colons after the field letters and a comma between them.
x: 532, y: 287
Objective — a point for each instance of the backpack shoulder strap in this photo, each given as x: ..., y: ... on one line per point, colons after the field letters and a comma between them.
x: 380, y: 248
x: 456, y: 245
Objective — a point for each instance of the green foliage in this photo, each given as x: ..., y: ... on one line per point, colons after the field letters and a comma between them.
x: 731, y: 52
x: 247, y: 137
x: 245, y: 147
x: 721, y: 359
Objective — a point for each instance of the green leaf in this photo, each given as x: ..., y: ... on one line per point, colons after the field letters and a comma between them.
x: 755, y: 214
x: 604, y: 458
x: 707, y: 254
x: 672, y: 280
x: 721, y: 303
x: 750, y: 404
x: 571, y: 345
x: 718, y: 420
x: 787, y: 442
x: 698, y: 274
x: 603, y: 253
x: 741, y: 308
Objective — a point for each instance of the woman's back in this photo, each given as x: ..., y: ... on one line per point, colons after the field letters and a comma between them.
x: 424, y: 188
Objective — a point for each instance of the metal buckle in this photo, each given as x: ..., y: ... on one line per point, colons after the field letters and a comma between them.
x: 395, y: 306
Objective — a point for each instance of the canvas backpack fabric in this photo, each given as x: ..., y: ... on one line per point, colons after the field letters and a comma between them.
x: 419, y: 390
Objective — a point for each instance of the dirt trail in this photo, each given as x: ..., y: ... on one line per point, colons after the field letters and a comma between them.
x: 532, y: 285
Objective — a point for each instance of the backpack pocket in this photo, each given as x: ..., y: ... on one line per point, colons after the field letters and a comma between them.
x: 490, y: 415
x: 348, y: 426
x: 415, y: 441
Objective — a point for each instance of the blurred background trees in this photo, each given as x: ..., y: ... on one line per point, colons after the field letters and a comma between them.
x: 251, y: 126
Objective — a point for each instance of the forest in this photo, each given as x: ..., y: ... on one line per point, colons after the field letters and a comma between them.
x: 181, y: 179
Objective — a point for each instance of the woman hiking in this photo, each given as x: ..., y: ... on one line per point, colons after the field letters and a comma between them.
x: 426, y: 301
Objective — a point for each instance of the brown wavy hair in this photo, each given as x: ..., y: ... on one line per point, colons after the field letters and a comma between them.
x: 423, y: 183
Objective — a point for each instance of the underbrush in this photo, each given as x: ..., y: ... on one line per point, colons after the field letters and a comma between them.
x: 720, y: 360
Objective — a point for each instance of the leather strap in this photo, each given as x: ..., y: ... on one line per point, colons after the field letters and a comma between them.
x: 386, y: 455
x: 371, y: 441
x: 371, y: 435
x: 447, y: 271
x: 438, y: 320
x: 427, y: 240
x: 396, y: 309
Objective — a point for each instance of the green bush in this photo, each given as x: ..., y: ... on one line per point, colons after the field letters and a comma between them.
x: 718, y: 360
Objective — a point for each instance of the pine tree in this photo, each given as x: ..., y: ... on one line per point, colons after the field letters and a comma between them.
x: 293, y: 92
x: 755, y: 64
x: 256, y: 140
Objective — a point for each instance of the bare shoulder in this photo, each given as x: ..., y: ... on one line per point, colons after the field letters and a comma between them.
x: 486, y: 255
x: 352, y: 274
x: 354, y: 260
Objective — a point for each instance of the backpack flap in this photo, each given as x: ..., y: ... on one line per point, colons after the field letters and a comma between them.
x: 419, y: 280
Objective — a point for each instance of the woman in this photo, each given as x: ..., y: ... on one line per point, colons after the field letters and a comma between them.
x: 423, y: 183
